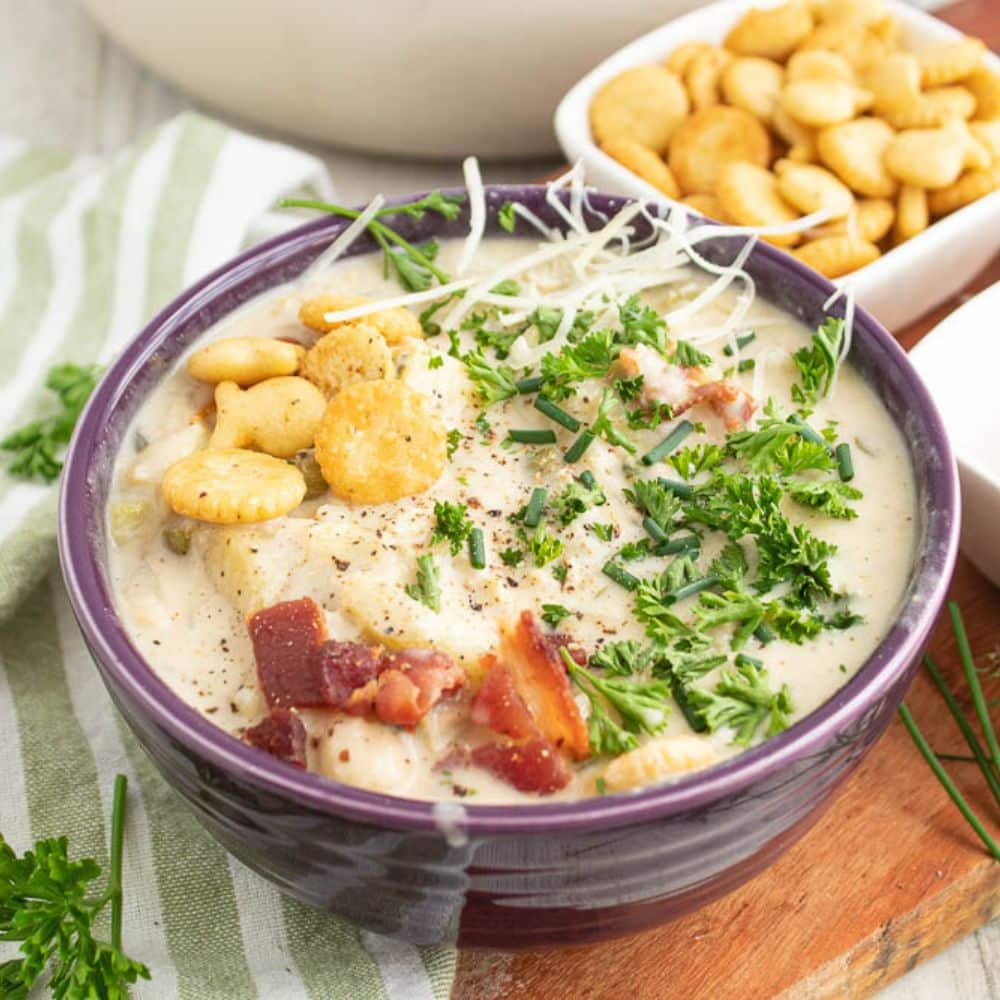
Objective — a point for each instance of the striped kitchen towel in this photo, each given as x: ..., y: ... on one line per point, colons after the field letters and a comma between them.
x: 89, y: 250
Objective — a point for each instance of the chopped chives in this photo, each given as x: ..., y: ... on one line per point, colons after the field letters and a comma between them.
x: 845, y: 463
x: 694, y: 587
x: 807, y: 432
x: 684, y: 543
x: 587, y: 478
x: 764, y: 634
x: 545, y: 405
x: 694, y: 718
x: 669, y: 443
x: 531, y: 384
x: 746, y: 365
x: 620, y: 576
x: 544, y: 436
x: 741, y: 342
x: 477, y: 549
x: 575, y: 451
x: 533, y: 512
x: 682, y: 490
x: 742, y: 658
x: 654, y: 530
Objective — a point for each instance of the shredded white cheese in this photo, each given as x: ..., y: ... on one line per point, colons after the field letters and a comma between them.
x: 477, y: 212
x: 341, y: 244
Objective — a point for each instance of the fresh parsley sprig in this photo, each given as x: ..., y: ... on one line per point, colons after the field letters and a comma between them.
x: 413, y: 266
x: 427, y: 589
x: 37, y: 446
x: 743, y: 701
x: 451, y: 525
x: 47, y: 904
x: 817, y: 364
x: 492, y: 384
x: 642, y: 706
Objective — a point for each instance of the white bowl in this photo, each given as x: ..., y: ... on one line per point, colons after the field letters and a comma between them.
x: 427, y: 78
x: 959, y: 360
x: 900, y: 286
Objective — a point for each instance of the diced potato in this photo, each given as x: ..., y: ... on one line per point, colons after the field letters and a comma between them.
x: 156, y: 458
x: 250, y: 565
x: 372, y: 755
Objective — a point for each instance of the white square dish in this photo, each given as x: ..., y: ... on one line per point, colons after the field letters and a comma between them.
x: 900, y: 286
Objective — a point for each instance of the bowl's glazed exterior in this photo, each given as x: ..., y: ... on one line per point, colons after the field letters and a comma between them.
x: 499, y: 875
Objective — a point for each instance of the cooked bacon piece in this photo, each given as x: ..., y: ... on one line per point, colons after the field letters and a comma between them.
x: 285, y: 638
x: 282, y: 735
x: 680, y: 388
x: 541, y: 680
x: 298, y: 667
x: 662, y: 382
x: 412, y: 682
x: 498, y: 705
x: 344, y: 667
x: 535, y: 766
x: 733, y: 404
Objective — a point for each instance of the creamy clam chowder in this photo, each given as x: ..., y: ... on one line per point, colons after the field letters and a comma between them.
x: 583, y: 521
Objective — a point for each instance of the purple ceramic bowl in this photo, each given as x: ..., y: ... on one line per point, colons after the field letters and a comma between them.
x: 500, y: 876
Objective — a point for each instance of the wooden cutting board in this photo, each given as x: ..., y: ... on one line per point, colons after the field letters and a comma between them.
x: 889, y: 877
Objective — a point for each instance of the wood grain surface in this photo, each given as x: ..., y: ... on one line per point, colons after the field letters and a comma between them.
x: 889, y: 877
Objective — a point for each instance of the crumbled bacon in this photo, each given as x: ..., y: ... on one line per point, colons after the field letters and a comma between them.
x: 534, y: 766
x: 498, y: 705
x: 299, y: 667
x: 681, y: 388
x: 285, y: 638
x: 344, y: 667
x: 540, y: 678
x: 733, y: 404
x: 412, y: 681
x: 282, y: 735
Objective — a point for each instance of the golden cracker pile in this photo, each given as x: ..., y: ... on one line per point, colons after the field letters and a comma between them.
x: 812, y: 105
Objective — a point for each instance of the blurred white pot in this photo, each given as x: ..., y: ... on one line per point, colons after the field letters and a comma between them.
x: 425, y: 78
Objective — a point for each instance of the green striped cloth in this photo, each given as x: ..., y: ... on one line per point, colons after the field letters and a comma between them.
x: 89, y: 250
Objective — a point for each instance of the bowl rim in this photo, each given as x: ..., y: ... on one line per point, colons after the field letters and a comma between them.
x: 572, y: 125
x: 119, y: 661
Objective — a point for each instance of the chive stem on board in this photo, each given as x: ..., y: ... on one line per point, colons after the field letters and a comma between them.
x: 575, y: 451
x: 536, y: 504
x: 532, y: 436
x: 972, y: 676
x: 741, y: 342
x: 978, y: 753
x: 746, y: 365
x: 477, y: 549
x: 531, y: 384
x: 620, y: 575
x: 588, y: 480
x: 669, y: 443
x: 845, y: 464
x: 545, y: 405
x: 949, y: 786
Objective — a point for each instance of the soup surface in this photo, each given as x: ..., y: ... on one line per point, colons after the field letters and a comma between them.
x: 573, y: 532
